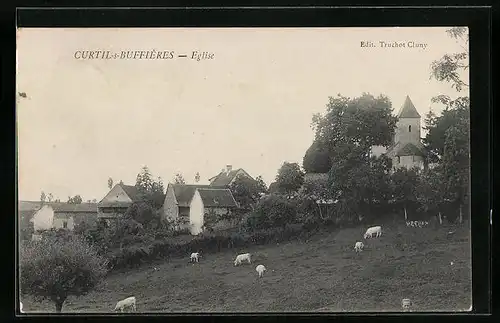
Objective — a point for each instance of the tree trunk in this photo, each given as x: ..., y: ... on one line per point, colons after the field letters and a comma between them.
x: 460, y: 217
x: 440, y: 218
x: 320, y: 213
x: 59, y: 301
x: 406, y: 214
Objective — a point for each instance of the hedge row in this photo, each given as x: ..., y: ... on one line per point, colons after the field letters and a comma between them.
x: 136, y: 255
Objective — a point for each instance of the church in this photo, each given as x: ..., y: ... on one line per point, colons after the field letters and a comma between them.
x: 407, y: 149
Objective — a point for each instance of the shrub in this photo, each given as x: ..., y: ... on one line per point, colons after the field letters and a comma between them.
x: 58, y: 266
x: 273, y: 210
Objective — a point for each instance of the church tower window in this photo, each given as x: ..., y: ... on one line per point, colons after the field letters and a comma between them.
x: 409, y: 128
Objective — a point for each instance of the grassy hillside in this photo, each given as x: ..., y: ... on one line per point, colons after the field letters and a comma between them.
x: 323, y: 274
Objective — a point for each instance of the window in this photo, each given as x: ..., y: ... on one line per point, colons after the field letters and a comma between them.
x: 409, y: 128
x: 399, y: 159
x: 65, y: 224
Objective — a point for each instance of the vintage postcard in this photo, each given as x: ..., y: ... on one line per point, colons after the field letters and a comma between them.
x: 230, y: 170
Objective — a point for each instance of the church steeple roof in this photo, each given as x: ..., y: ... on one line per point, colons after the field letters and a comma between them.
x: 408, y: 110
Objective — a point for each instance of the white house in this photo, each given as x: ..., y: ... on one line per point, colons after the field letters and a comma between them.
x: 63, y: 215
x: 205, y: 200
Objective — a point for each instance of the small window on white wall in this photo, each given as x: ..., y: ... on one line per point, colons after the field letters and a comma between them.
x: 65, y: 224
x: 399, y: 159
x: 409, y: 128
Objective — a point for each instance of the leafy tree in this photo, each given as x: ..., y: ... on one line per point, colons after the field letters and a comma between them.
x: 430, y: 190
x: 43, y: 197
x: 179, y: 179
x: 151, y: 190
x: 144, y: 180
x: 110, y: 183
x: 209, y: 220
x: 404, y: 184
x: 450, y: 66
x: 316, y: 159
x: 77, y: 199
x: 141, y: 212
x: 56, y: 268
x: 247, y: 191
x: 290, y: 178
x: 348, y: 130
x: 358, y: 122
x: 197, y: 177
x: 50, y: 197
x: 448, y: 134
x: 278, y: 210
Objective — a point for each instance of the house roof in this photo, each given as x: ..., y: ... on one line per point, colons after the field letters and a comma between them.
x: 29, y: 205
x: 224, y: 178
x: 118, y: 204
x: 408, y: 110
x: 131, y: 191
x: 217, y: 197
x: 409, y: 150
x: 27, y: 208
x: 184, y: 192
x: 74, y: 208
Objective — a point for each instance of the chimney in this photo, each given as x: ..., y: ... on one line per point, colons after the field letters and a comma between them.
x: 229, y: 168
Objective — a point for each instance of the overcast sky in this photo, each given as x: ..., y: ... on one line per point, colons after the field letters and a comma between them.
x: 250, y: 106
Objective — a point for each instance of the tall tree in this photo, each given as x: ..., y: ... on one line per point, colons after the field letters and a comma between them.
x: 348, y: 130
x: 289, y: 178
x: 43, y: 197
x: 77, y: 199
x: 448, y: 134
x: 179, y: 179
x: 151, y: 190
x: 110, y: 183
x: 197, y: 177
x: 50, y: 197
x: 451, y: 67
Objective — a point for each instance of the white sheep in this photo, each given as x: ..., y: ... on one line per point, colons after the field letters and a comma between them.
x: 260, y: 269
x: 406, y: 304
x: 377, y: 230
x: 358, y: 246
x: 126, y: 303
x: 242, y: 257
x: 195, y: 257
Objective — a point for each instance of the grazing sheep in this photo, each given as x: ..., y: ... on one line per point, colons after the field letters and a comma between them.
x: 377, y: 230
x: 242, y: 257
x: 126, y: 303
x: 406, y: 304
x: 358, y: 246
x: 260, y: 269
x: 195, y: 257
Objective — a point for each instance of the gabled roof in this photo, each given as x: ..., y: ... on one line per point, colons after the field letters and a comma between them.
x: 27, y: 208
x: 408, y: 110
x: 409, y: 150
x: 224, y: 178
x: 184, y: 193
x: 74, y: 208
x: 217, y: 197
x: 131, y: 191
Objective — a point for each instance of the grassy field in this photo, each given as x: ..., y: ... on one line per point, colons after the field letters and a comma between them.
x: 322, y: 274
